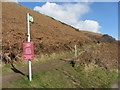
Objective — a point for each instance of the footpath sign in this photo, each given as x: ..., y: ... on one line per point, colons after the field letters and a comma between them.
x: 28, y: 50
x: 28, y: 47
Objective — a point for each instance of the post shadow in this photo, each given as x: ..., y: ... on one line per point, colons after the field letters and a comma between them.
x: 17, y: 71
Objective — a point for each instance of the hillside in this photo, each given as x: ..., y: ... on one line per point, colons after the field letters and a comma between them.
x: 49, y: 36
x: 95, y: 66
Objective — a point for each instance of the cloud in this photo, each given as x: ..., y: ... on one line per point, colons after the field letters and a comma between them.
x: 9, y: 1
x: 70, y: 14
x: 4, y: 0
x: 14, y: 1
x: 88, y: 25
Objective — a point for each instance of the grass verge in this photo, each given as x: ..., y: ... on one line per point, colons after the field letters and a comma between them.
x: 69, y: 77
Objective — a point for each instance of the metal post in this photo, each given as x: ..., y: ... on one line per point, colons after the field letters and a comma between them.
x: 28, y: 35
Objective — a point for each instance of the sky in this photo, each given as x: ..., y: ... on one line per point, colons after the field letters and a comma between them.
x: 100, y: 17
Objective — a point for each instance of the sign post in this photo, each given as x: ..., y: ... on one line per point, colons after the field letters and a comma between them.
x: 28, y: 36
x: 28, y: 49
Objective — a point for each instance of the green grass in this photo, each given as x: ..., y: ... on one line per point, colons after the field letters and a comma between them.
x: 82, y: 76
x: 57, y: 78
x: 50, y: 79
x: 53, y: 56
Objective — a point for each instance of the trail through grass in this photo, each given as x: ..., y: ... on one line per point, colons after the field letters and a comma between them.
x: 82, y: 76
x: 69, y: 77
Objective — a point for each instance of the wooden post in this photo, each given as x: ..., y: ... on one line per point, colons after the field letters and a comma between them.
x: 75, y: 51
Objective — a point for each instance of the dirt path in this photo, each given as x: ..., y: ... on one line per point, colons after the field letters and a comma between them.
x: 116, y: 85
x: 15, y: 73
x: 12, y: 75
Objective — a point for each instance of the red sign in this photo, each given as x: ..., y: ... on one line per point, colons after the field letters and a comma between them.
x: 28, y: 50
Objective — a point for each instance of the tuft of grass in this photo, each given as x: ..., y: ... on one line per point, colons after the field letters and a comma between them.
x: 93, y: 76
